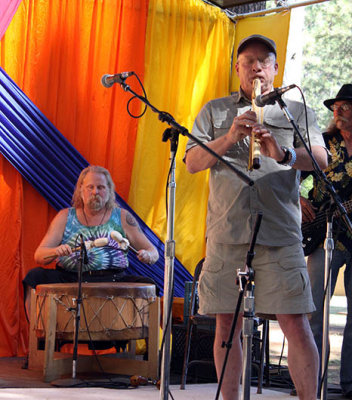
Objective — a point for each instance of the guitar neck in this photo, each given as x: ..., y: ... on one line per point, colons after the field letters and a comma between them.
x: 320, y: 217
x: 347, y: 205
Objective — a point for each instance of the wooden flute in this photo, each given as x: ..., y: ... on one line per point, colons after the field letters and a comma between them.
x: 254, y: 144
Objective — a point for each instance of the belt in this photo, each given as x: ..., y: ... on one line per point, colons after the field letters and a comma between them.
x: 103, y: 272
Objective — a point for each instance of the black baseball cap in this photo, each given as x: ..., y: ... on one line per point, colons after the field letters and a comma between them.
x: 256, y: 38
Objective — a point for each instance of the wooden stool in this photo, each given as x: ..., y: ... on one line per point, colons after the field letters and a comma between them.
x: 110, y: 311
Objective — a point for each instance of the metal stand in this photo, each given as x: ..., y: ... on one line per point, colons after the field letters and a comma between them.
x: 329, y: 248
x: 171, y: 134
x: 247, y: 334
x: 245, y: 280
x: 82, y: 259
x: 75, y: 382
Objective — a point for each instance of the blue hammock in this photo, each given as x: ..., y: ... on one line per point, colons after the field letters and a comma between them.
x: 47, y: 160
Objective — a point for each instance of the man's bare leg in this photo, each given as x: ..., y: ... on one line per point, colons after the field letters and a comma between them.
x: 303, y: 358
x: 232, y: 377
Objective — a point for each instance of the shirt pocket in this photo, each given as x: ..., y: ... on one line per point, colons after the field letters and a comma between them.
x: 221, y: 127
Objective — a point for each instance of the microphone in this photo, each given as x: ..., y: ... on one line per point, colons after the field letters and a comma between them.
x: 124, y: 243
x: 109, y: 80
x: 270, y: 98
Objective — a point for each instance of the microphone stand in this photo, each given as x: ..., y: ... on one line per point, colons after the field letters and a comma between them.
x: 245, y: 281
x: 248, y: 315
x: 328, y: 245
x: 170, y: 243
x: 83, y: 259
x: 171, y: 134
x: 329, y: 248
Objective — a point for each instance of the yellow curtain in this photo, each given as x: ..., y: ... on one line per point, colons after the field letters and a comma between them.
x: 188, y: 62
x: 274, y: 26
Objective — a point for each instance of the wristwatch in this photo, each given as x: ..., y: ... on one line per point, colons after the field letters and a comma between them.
x: 290, y: 156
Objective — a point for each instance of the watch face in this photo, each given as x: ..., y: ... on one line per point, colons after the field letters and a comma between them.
x: 286, y: 157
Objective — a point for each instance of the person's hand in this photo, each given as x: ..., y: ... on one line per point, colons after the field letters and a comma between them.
x: 63, y: 250
x: 242, y: 126
x: 269, y: 147
x: 145, y: 256
x: 308, y: 211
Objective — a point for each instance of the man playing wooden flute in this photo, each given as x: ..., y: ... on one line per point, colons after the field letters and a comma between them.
x: 282, y: 288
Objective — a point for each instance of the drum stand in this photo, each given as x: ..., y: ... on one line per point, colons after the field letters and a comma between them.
x: 245, y: 280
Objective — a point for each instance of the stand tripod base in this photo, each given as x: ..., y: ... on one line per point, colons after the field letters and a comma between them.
x: 113, y: 382
x: 69, y: 382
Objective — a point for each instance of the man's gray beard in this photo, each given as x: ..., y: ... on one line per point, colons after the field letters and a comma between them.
x: 95, y: 204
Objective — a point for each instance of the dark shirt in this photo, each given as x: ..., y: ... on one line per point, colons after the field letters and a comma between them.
x: 339, y: 173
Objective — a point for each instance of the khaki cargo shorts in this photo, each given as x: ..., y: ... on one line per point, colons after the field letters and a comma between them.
x: 281, y: 279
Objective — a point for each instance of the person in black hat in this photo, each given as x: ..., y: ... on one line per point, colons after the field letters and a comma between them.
x: 282, y: 288
x: 338, y: 139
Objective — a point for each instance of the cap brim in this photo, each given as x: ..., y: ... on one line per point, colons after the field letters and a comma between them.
x: 328, y: 103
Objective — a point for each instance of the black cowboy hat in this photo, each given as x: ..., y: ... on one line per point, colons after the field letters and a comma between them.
x: 345, y: 93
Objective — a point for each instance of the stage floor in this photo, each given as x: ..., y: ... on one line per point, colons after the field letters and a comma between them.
x: 192, y: 392
x: 17, y: 383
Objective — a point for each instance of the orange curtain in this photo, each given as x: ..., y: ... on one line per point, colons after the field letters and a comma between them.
x: 57, y: 52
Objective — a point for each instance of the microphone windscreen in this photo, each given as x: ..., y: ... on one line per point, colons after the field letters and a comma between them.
x: 106, y: 81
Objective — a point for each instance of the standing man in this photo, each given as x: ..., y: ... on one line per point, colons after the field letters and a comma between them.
x: 338, y: 140
x: 281, y: 277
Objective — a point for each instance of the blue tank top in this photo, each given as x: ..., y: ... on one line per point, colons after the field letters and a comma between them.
x: 106, y: 257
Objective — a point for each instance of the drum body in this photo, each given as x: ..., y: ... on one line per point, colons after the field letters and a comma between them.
x: 109, y: 310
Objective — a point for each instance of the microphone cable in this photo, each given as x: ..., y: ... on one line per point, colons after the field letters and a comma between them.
x: 134, y: 97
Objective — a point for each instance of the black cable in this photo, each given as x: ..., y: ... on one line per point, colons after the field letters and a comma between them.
x: 167, y: 184
x: 306, y: 116
x: 134, y: 97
